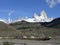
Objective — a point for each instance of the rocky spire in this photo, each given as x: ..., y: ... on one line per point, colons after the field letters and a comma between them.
x: 36, y: 16
x: 43, y: 15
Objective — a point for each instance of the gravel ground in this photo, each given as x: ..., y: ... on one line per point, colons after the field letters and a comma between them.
x: 31, y: 42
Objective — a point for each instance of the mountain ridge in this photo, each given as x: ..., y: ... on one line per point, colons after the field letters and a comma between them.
x: 27, y: 28
x: 46, y: 28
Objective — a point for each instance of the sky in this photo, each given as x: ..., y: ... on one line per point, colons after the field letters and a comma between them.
x: 26, y: 8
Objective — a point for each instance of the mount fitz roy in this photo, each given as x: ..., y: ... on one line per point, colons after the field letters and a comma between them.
x: 44, y: 26
x: 41, y: 18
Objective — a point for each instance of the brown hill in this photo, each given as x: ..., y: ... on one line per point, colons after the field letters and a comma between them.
x: 50, y: 28
x: 7, y: 30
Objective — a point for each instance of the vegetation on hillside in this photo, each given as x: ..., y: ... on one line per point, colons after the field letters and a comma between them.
x: 23, y: 28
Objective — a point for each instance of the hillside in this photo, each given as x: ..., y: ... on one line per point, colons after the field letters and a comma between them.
x: 53, y: 24
x: 7, y: 30
x: 51, y: 28
x: 25, y: 28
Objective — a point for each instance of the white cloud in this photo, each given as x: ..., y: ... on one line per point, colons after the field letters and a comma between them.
x: 58, y: 1
x: 52, y: 3
x: 10, y: 13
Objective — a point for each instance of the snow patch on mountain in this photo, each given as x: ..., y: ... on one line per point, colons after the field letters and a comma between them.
x: 3, y: 20
x: 41, y: 18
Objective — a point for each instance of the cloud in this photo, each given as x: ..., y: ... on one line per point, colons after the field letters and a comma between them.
x: 10, y: 13
x: 52, y: 3
x: 58, y: 1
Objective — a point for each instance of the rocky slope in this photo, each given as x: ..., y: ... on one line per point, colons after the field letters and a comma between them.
x: 46, y: 28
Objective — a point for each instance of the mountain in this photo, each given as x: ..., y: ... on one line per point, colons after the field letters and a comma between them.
x: 38, y: 28
x: 41, y: 18
x: 4, y: 26
x: 28, y: 28
x: 7, y: 31
x: 3, y: 20
x: 53, y: 24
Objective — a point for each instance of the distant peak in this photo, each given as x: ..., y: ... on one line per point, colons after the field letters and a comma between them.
x: 36, y: 16
x: 43, y: 14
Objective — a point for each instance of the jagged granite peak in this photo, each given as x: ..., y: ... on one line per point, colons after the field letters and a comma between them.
x: 43, y: 15
x: 36, y: 18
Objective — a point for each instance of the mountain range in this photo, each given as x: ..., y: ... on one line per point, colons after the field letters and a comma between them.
x: 42, y: 17
x: 37, y: 26
x: 47, y: 28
